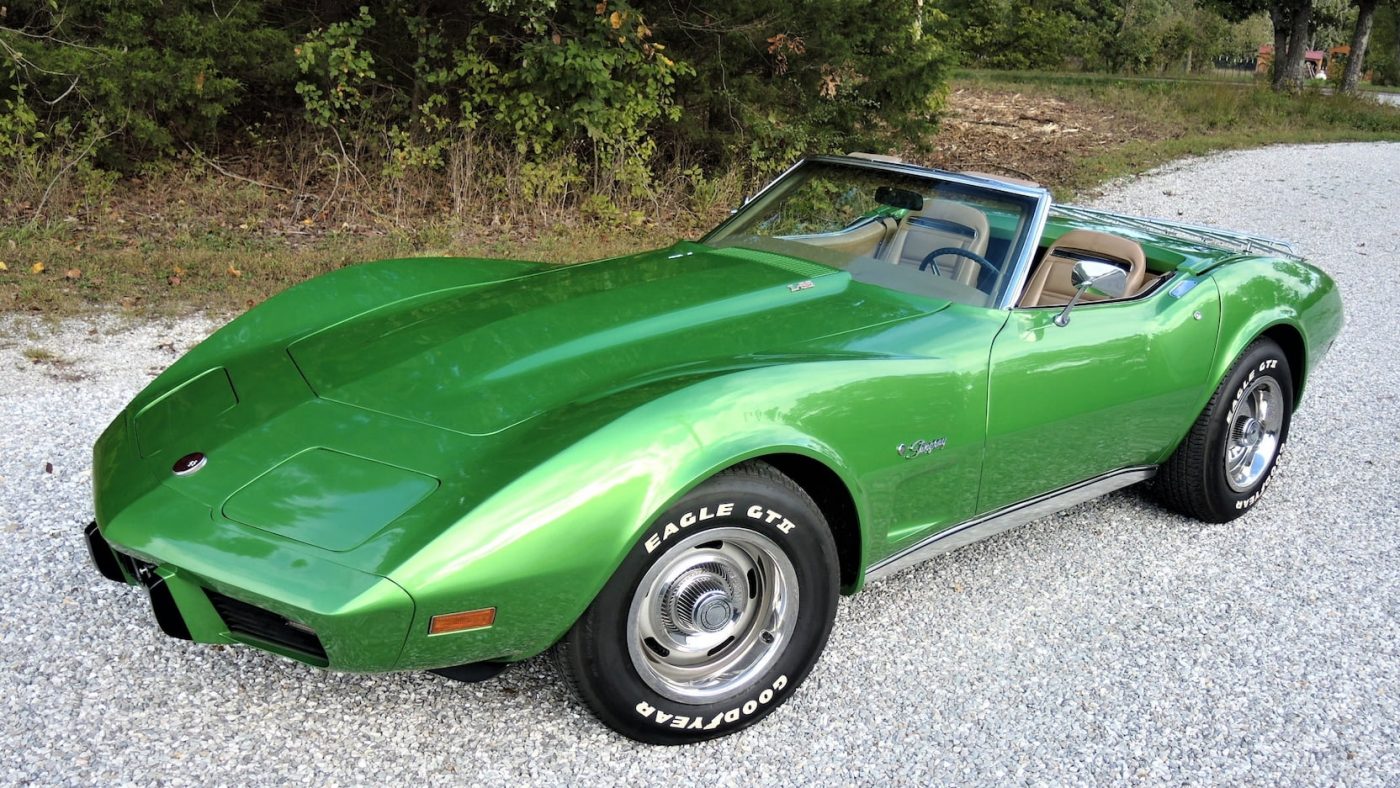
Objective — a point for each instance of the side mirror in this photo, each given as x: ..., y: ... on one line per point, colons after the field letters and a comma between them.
x: 1097, y: 277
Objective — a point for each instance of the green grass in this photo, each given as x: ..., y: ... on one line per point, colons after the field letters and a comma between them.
x: 38, y: 355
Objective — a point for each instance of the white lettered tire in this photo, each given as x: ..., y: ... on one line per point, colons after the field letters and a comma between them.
x: 715, y: 617
x: 1226, y: 462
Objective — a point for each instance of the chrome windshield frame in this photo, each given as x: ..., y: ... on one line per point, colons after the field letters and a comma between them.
x: 1035, y: 228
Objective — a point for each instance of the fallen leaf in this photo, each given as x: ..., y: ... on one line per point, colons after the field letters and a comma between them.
x: 48, y: 467
x: 3, y: 267
x: 179, y: 271
x: 37, y: 268
x: 173, y: 281
x: 73, y: 273
x: 234, y: 272
x: 308, y: 221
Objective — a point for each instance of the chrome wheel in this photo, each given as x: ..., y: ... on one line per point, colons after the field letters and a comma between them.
x: 712, y: 614
x: 1255, y: 424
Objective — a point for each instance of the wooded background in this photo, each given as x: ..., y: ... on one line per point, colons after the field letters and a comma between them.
x: 546, y: 100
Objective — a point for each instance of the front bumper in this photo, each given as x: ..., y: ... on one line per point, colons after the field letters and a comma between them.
x: 321, y: 614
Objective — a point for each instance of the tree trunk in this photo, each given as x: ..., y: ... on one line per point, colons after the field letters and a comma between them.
x: 1278, y: 15
x: 1359, y: 41
x: 1293, y: 72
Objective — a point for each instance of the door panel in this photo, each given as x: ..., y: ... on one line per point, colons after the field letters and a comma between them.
x: 1116, y: 387
x: 926, y: 390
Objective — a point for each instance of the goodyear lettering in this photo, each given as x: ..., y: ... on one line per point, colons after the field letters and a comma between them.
x: 1259, y: 493
x: 748, y: 709
x: 1266, y: 364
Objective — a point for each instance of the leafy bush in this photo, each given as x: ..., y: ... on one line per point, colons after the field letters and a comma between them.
x: 138, y: 76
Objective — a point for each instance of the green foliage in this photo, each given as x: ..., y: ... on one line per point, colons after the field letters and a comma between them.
x: 567, y: 98
x: 1010, y: 34
x: 140, y: 75
x: 1383, y: 55
x: 1127, y: 36
x: 773, y: 79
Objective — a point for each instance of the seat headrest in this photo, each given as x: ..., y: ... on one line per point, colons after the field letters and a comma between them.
x: 1099, y: 244
x: 1052, y: 283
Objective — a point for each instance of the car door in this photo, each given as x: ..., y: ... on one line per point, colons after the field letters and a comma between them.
x: 1116, y: 387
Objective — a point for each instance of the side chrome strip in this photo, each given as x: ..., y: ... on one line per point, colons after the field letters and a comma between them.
x: 1006, y: 518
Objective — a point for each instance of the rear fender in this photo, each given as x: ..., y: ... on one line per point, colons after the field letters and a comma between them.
x: 1264, y: 296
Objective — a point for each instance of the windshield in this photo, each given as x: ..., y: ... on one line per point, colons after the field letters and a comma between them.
x: 912, y: 233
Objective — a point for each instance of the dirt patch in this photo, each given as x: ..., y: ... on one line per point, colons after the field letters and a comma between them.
x: 1037, y: 137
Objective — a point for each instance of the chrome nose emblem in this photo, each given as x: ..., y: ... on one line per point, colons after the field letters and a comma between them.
x: 188, y: 464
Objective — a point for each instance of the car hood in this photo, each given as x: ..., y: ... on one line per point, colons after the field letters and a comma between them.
x: 480, y: 360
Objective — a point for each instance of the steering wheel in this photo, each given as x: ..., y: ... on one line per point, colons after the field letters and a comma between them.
x: 956, y: 251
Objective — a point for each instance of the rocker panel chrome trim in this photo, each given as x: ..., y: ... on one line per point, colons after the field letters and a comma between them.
x: 1006, y: 518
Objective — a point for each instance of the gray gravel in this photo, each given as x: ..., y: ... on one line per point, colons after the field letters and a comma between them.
x: 1112, y: 643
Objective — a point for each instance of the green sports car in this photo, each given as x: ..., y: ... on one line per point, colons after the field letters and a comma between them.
x: 666, y: 467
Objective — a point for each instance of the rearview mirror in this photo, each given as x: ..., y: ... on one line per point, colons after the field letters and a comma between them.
x: 1101, y: 278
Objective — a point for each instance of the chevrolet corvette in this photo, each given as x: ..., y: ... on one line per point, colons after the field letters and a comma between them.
x: 666, y: 468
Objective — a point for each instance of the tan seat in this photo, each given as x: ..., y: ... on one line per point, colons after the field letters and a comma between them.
x: 1050, y: 285
x: 941, y: 223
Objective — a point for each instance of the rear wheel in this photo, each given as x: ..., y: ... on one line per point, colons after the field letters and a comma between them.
x: 1227, y: 460
x: 715, y: 617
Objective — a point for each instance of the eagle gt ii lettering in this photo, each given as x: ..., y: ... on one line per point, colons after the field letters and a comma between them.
x: 665, y: 468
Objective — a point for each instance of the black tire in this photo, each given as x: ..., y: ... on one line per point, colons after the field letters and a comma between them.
x: 696, y: 583
x: 1197, y: 479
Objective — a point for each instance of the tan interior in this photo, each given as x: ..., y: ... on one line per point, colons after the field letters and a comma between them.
x: 1050, y: 285
x: 860, y: 241
x: 941, y: 223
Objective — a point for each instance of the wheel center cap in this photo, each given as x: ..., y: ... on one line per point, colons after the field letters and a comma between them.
x: 713, y: 611
x: 1252, y: 431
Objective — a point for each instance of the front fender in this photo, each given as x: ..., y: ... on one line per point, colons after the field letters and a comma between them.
x: 541, y: 549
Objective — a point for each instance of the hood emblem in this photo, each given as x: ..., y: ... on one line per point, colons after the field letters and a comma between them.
x: 188, y: 464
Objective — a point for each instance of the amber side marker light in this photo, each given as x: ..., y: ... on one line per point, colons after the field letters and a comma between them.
x: 461, y: 622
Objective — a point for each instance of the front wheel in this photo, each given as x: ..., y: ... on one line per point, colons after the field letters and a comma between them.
x: 714, y: 618
x: 1222, y: 467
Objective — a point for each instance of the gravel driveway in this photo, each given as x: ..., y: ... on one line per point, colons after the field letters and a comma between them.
x: 1112, y: 643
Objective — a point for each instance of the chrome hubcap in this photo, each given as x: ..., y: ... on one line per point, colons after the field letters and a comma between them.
x: 1255, y: 425
x: 712, y: 614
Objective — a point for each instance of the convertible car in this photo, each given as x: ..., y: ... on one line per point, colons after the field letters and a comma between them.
x: 666, y: 467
